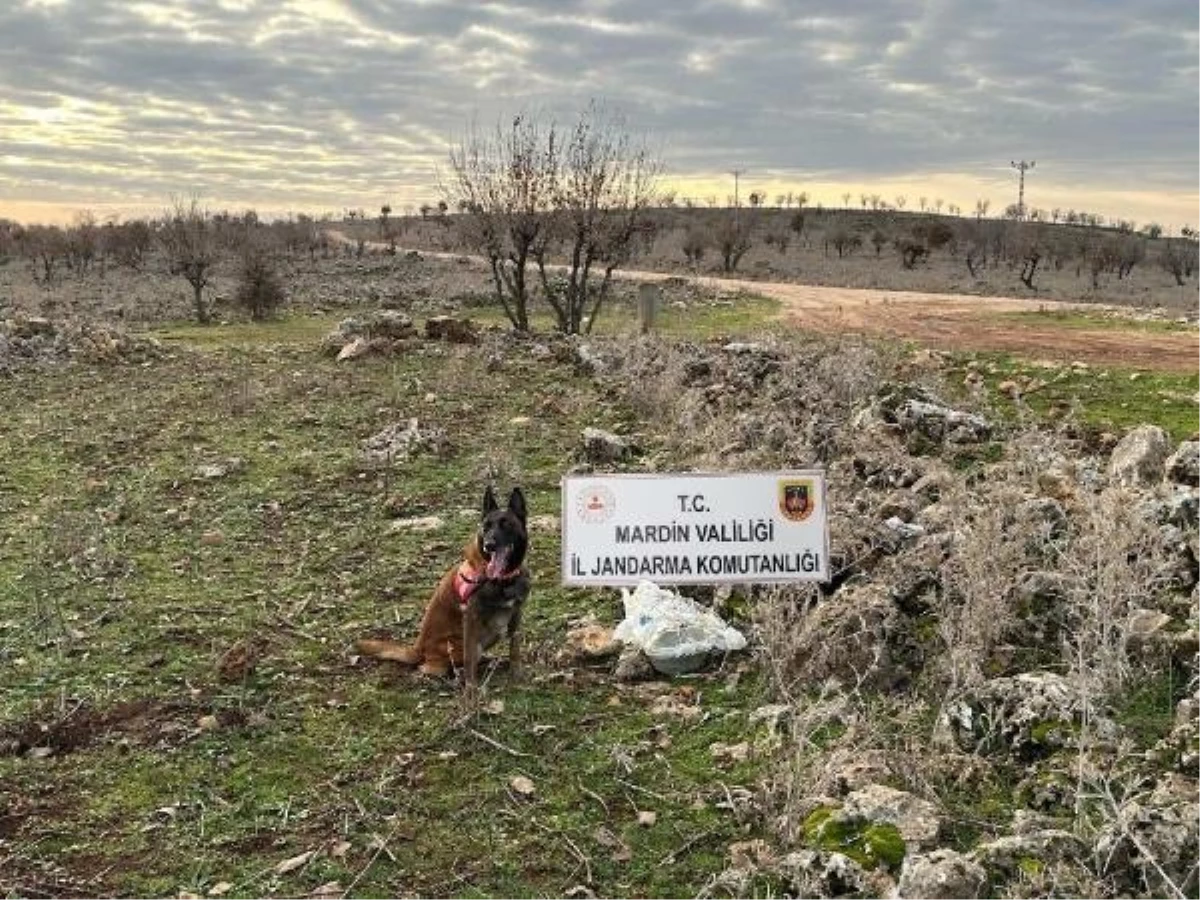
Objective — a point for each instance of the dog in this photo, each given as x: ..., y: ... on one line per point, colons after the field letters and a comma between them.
x: 476, y: 602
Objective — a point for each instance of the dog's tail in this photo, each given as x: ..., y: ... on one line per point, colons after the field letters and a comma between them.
x: 390, y: 650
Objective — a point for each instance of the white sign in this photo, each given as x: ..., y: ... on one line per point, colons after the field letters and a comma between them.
x: 694, y: 528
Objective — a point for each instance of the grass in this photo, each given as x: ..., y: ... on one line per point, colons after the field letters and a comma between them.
x: 126, y: 575
x: 289, y: 330
x: 1083, y: 321
x: 1111, y: 398
x: 736, y: 315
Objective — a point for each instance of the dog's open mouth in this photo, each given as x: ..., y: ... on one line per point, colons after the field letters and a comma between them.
x: 498, y: 564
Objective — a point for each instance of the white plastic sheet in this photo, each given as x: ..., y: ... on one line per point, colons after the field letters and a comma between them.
x: 676, y: 633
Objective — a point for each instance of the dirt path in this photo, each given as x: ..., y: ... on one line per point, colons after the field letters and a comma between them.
x: 965, y: 322
x: 950, y: 321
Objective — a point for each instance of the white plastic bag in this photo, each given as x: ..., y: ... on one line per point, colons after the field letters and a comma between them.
x: 676, y: 633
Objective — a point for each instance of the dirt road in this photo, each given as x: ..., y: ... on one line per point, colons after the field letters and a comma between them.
x: 965, y: 322
x: 953, y: 321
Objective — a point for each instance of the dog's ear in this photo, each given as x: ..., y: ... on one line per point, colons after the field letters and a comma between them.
x: 516, y: 503
x: 489, y: 501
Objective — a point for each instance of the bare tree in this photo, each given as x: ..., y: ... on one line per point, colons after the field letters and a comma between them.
x: 733, y: 237
x: 45, y: 246
x: 584, y: 192
x: 189, y: 239
x: 130, y: 242
x: 1179, y: 258
x: 82, y: 242
x: 506, y: 180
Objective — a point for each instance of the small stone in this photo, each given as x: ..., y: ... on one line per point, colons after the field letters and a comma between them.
x: 455, y: 331
x: 1056, y: 484
x: 730, y: 753
x: 1183, y: 466
x: 522, y: 785
x: 898, y: 506
x: 633, y: 665
x: 353, y: 350
x: 601, y: 447
x: 750, y: 855
x: 646, y: 818
x: 591, y: 641
x: 418, y: 523
x: 1143, y: 624
x: 941, y: 874
x: 208, y: 723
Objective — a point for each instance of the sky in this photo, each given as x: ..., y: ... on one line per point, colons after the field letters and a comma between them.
x: 322, y: 105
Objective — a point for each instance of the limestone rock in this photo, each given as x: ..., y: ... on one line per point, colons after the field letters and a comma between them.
x: 1139, y: 459
x: 937, y: 423
x: 603, y: 447
x: 455, y: 331
x: 590, y: 641
x: 1183, y: 466
x: 943, y: 873
x: 401, y: 441
x: 1028, y: 714
x: 916, y: 819
x: 816, y: 873
x: 1002, y: 857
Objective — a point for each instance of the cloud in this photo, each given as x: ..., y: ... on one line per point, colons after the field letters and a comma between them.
x: 353, y: 102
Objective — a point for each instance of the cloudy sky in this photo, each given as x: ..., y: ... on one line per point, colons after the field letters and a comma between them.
x: 319, y: 105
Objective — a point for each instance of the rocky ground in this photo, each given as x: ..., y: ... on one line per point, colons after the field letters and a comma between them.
x: 995, y: 695
x: 967, y: 707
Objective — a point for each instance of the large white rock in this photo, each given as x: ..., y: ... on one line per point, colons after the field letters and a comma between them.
x: 1138, y: 459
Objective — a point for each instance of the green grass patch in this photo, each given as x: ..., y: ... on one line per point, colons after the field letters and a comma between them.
x: 1110, y: 397
x: 132, y: 768
x: 1083, y: 321
x: 288, y: 330
x: 740, y: 314
x: 1147, y: 709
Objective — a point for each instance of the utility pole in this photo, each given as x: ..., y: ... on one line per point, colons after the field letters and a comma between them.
x: 736, y: 173
x: 1022, y: 167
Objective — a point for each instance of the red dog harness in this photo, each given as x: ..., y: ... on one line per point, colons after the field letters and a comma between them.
x: 467, y: 580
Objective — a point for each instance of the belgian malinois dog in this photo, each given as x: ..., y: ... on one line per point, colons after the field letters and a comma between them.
x: 477, y: 601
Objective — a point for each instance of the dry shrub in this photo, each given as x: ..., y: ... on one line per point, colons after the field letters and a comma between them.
x: 1119, y: 555
x: 974, y: 609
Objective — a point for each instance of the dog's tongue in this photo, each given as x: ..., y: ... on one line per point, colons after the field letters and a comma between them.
x: 498, y: 564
